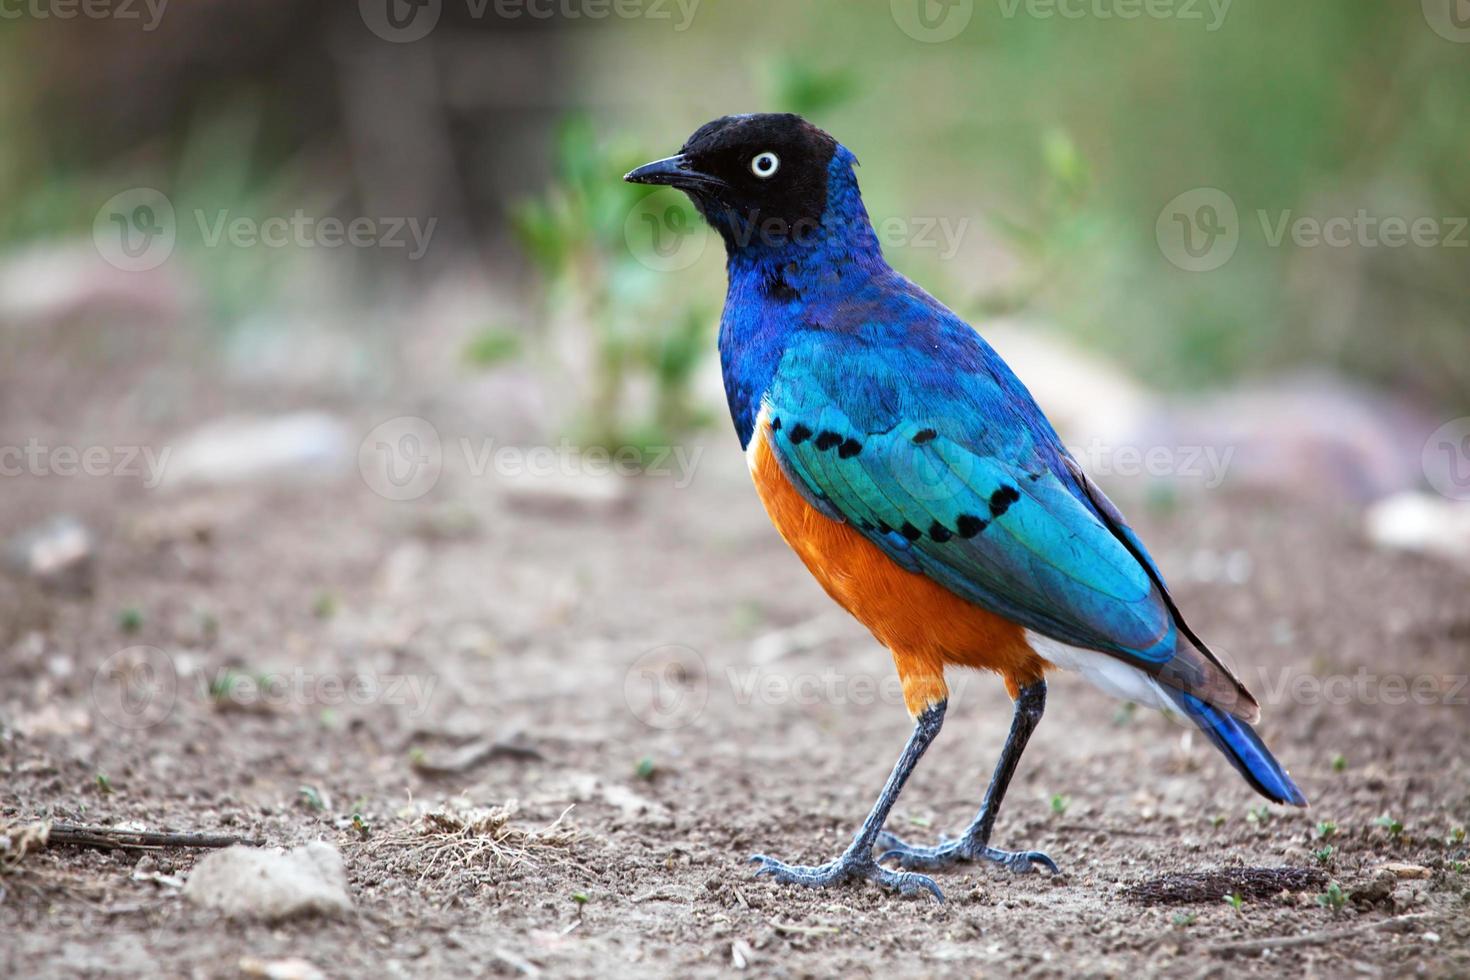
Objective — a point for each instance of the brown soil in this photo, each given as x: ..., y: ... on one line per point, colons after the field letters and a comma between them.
x: 535, y: 627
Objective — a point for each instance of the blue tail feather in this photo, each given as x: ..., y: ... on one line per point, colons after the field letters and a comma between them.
x: 1244, y: 748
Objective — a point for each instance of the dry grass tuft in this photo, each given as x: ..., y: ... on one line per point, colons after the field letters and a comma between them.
x: 475, y: 842
x: 18, y: 840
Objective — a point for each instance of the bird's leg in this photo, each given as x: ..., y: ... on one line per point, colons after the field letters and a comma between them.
x: 974, y: 844
x: 857, y: 861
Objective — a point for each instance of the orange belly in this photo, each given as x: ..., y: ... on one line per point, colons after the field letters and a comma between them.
x: 924, y: 624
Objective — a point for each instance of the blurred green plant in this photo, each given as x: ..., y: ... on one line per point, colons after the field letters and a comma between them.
x: 633, y: 326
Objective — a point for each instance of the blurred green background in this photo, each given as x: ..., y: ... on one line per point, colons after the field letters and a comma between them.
x: 1053, y: 142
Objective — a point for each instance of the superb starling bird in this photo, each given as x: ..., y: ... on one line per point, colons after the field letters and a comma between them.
x: 920, y: 483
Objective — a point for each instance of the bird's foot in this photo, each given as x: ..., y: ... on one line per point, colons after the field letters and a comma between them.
x: 852, y: 865
x: 950, y: 853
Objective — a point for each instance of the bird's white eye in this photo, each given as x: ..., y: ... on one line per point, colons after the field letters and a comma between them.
x: 765, y: 165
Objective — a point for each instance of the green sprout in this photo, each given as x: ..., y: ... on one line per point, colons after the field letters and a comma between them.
x: 312, y: 797
x: 104, y: 784
x: 1235, y: 901
x: 1326, y: 829
x: 1324, y: 854
x: 1388, y: 823
x: 1339, y: 763
x: 130, y: 620
x: 360, y: 824
x: 1333, y: 898
x: 1059, y: 804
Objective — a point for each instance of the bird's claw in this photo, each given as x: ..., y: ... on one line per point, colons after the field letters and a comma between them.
x: 949, y: 853
x: 850, y: 865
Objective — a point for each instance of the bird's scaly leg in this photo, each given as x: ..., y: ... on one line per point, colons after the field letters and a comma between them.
x: 974, y: 844
x: 857, y: 861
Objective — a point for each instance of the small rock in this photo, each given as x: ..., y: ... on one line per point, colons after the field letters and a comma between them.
x: 1376, y: 890
x: 59, y: 554
x: 1422, y: 523
x: 556, y: 494
x: 1401, y: 870
x: 251, y: 883
x: 234, y: 450
x: 294, y: 968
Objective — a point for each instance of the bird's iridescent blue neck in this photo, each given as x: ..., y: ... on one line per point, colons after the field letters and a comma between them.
x: 778, y: 285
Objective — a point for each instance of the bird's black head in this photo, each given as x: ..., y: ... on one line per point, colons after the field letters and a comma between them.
x: 757, y: 177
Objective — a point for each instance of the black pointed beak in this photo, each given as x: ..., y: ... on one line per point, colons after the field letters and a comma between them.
x: 675, y: 171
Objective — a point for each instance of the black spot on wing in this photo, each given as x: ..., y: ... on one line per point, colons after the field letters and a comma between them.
x: 827, y: 440
x: 939, y: 532
x: 776, y: 424
x: 799, y: 434
x: 910, y: 532
x: 849, y: 449
x: 1001, y: 500
x: 968, y: 525
x: 923, y: 436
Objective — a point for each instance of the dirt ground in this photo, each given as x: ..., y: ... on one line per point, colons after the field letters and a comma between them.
x: 666, y: 669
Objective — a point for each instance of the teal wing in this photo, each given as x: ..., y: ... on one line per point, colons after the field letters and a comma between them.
x: 956, y: 475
